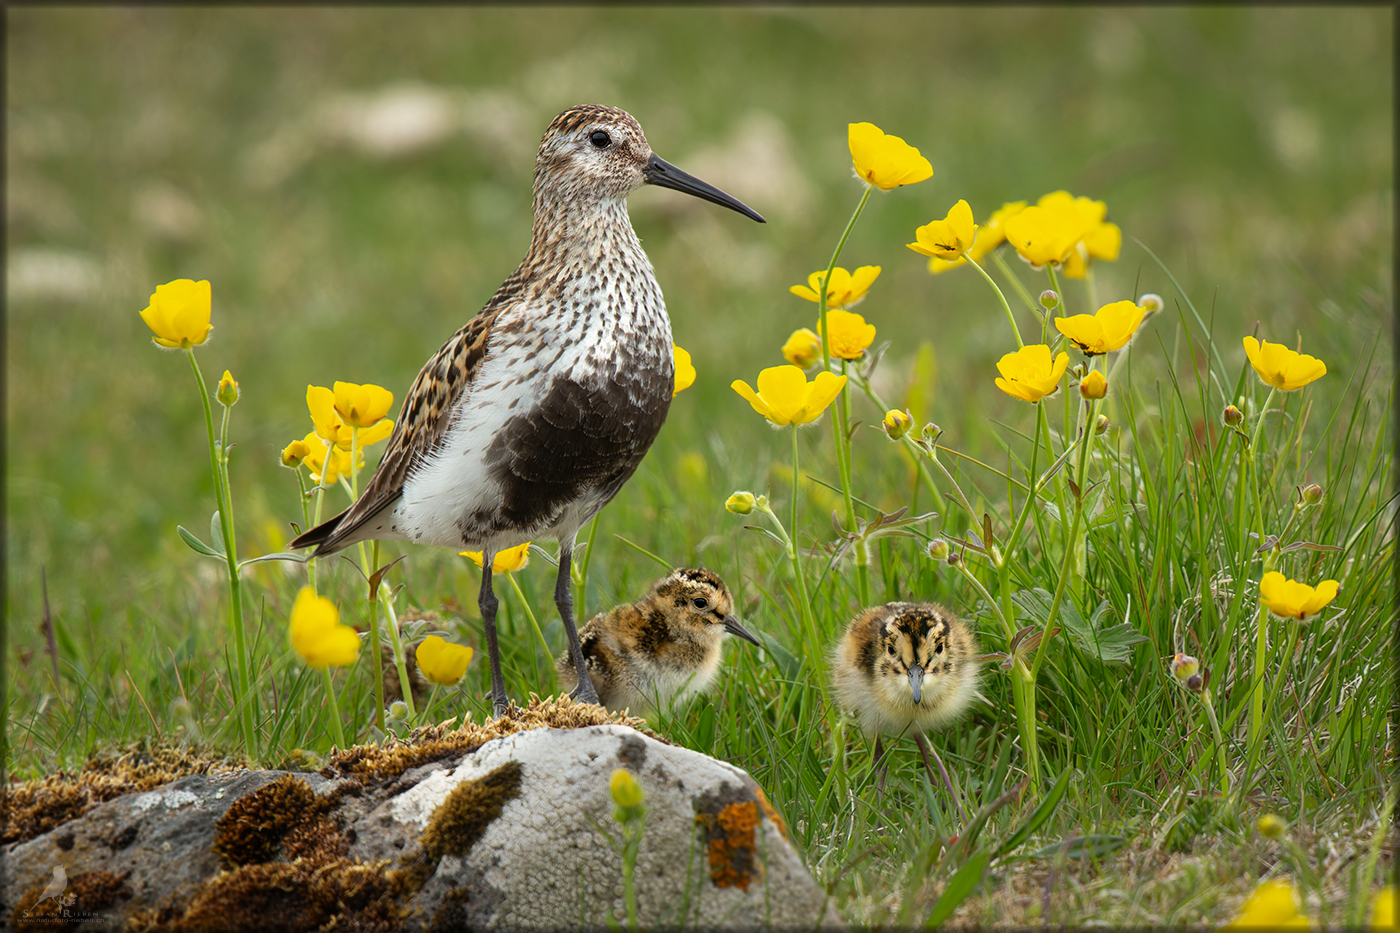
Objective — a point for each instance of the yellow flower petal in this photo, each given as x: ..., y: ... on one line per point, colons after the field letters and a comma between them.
x: 785, y: 396
x: 1109, y: 328
x: 381, y: 430
x: 508, y: 560
x: 885, y: 161
x: 178, y: 313
x: 361, y: 406
x: 1274, y: 905
x: 1029, y: 373
x: 818, y: 395
x: 745, y: 390
x: 685, y: 371
x: 1045, y: 233
x: 1293, y: 600
x: 317, y: 634
x: 803, y: 348
x: 949, y: 238
x: 441, y: 661
x: 1281, y: 367
x: 850, y: 335
x: 320, y: 401
x: 1383, y: 909
x: 845, y: 288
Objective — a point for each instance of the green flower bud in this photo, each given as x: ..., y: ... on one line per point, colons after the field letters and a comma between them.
x: 1049, y: 299
x: 897, y: 424
x: 1232, y: 416
x: 1271, y: 826
x: 741, y: 503
x: 398, y: 711
x: 1102, y: 426
x: 1312, y: 494
x: 1151, y: 303
x: 1184, y: 666
x: 938, y: 549
x: 228, y: 390
x: 931, y: 432
x: 625, y: 790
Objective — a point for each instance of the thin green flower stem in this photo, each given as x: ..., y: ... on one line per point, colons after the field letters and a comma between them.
x: 797, y: 560
x: 931, y: 452
x: 1036, y: 484
x: 305, y: 511
x: 1023, y: 695
x: 1004, y: 304
x: 582, y: 601
x: 838, y: 426
x: 1020, y: 289
x: 1089, y: 290
x: 426, y: 716
x: 966, y: 571
x: 534, y: 623
x: 234, y: 589
x: 861, y: 551
x: 386, y: 596
x: 1258, y: 523
x: 316, y: 516
x: 337, y: 730
x: 376, y: 661
x: 879, y: 403
x: 1055, y: 284
x: 1207, y: 702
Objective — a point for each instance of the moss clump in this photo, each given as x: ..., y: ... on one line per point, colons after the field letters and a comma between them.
x: 461, y: 819
x: 294, y: 897
x: 88, y: 892
x: 252, y: 829
x: 32, y: 808
x: 434, y: 743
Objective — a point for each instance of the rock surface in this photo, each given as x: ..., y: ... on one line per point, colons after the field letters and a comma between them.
x: 511, y: 834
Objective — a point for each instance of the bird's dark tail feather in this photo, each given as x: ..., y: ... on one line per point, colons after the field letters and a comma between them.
x: 318, y: 536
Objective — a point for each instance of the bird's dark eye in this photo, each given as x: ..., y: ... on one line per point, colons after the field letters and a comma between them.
x: 938, y: 650
x: 600, y: 139
x: 890, y: 649
x: 698, y: 602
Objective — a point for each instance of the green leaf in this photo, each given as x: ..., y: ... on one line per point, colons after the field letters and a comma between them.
x: 963, y: 883
x: 787, y: 662
x: 1094, y: 845
x: 1109, y: 644
x: 196, y: 545
x: 280, y: 555
x: 1039, y: 815
x: 216, y: 531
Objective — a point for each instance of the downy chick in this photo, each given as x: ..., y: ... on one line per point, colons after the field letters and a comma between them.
x: 664, y: 646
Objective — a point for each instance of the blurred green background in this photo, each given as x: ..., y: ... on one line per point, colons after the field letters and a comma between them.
x: 356, y: 182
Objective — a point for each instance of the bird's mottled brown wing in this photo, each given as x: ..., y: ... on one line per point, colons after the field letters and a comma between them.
x: 423, y: 422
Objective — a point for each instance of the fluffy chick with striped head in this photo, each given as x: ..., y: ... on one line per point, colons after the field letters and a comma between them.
x: 905, y: 667
x: 664, y: 646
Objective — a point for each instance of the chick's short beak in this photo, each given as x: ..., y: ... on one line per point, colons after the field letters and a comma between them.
x: 916, y: 680
x: 732, y: 626
x: 663, y: 174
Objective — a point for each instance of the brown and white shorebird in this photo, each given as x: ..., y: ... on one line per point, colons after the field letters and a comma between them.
x: 532, y: 416
x: 665, y: 645
x: 905, y: 667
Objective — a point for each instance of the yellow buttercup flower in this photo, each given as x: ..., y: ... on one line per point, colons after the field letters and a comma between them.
x: 1044, y: 234
x: 989, y: 236
x: 441, y: 661
x: 785, y: 396
x: 1109, y: 328
x: 803, y: 348
x: 885, y: 161
x: 1029, y: 373
x: 685, y: 371
x: 294, y: 453
x: 1094, y: 385
x: 321, y: 402
x: 1383, y: 909
x: 316, y: 459
x: 1293, y: 600
x: 178, y: 314
x: 1273, y: 905
x: 845, y: 288
x: 625, y: 790
x: 949, y: 238
x: 317, y: 634
x: 362, y: 406
x: 1101, y: 240
x: 507, y: 561
x: 897, y: 423
x: 850, y: 335
x: 1281, y: 367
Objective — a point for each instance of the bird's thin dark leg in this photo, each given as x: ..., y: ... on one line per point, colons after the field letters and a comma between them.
x: 876, y: 763
x: 488, y: 602
x: 926, y: 750
x: 564, y: 599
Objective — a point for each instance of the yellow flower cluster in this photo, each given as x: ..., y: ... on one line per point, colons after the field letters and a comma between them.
x: 336, y: 414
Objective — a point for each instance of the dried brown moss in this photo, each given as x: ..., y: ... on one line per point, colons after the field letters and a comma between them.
x: 461, y: 819
x: 252, y: 829
x: 32, y: 808
x: 434, y: 743
x: 86, y: 893
x: 296, y: 897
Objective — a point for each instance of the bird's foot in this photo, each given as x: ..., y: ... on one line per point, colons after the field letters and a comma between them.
x: 502, y: 705
x: 584, y: 693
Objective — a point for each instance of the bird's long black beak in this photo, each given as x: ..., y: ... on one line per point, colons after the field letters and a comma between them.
x: 732, y: 626
x: 664, y: 174
x: 916, y: 680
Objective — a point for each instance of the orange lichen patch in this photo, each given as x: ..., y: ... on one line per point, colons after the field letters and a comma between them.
x: 32, y: 808
x: 773, y: 815
x: 251, y: 831
x: 434, y: 743
x: 462, y: 817
x: 86, y: 893
x: 296, y: 897
x: 730, y: 844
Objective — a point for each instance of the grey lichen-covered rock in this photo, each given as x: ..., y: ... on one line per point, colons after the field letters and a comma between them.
x: 714, y: 855
x: 510, y: 834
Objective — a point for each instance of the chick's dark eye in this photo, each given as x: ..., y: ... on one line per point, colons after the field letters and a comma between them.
x: 700, y: 602
x: 600, y: 139
x: 889, y: 649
